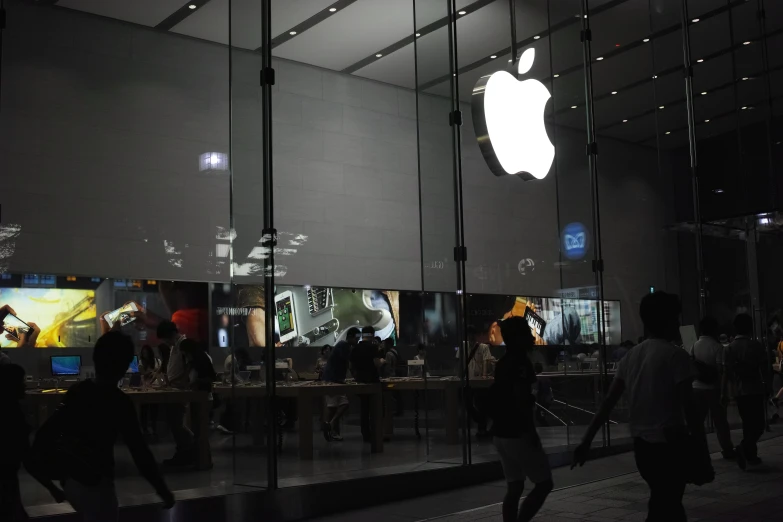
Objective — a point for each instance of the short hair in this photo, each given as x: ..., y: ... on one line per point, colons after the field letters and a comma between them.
x: 166, y: 329
x: 325, y: 347
x: 352, y: 332
x: 516, y: 333
x: 113, y: 354
x: 368, y: 331
x: 743, y: 324
x: 709, y: 326
x: 660, y: 311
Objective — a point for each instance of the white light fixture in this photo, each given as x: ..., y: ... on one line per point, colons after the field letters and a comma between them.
x: 745, y: 78
x: 646, y: 40
x: 745, y: 43
x: 599, y: 58
x: 668, y: 132
x: 462, y: 13
x: 655, y: 77
x: 557, y: 76
x: 192, y: 6
x: 718, y: 191
x: 378, y: 55
x: 625, y: 121
x: 744, y: 108
x: 573, y: 106
x: 661, y: 107
x: 706, y: 121
x: 418, y: 34
x: 614, y: 92
x: 704, y: 93
x: 695, y: 20
x: 332, y: 9
x: 510, y: 60
x: 494, y: 56
x: 213, y: 162
x: 700, y: 60
x: 536, y: 37
x: 292, y: 33
x: 508, y: 120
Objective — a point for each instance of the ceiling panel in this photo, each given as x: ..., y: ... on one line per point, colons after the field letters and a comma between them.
x: 144, y: 12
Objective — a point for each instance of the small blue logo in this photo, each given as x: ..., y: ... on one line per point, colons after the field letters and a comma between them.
x: 575, y: 241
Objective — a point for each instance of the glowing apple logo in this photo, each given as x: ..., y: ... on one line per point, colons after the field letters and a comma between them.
x: 508, y: 117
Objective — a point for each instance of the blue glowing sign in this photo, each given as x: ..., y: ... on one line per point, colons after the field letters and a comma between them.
x: 575, y: 241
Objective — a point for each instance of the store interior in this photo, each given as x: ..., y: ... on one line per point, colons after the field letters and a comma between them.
x: 149, y: 158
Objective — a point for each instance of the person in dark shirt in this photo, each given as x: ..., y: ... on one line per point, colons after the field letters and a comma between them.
x: 15, y: 444
x: 512, y: 408
x: 97, y: 413
x: 365, y: 363
x: 335, y: 371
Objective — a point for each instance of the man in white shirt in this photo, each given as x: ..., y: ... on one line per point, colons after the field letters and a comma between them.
x: 657, y: 377
x: 712, y: 396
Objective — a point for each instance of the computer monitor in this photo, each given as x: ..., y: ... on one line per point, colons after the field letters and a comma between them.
x: 134, y: 365
x: 63, y: 365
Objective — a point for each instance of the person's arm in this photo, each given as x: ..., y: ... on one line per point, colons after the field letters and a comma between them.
x: 142, y: 456
x: 599, y: 419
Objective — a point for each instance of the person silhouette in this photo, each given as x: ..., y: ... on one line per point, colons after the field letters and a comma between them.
x: 97, y: 413
x: 15, y: 443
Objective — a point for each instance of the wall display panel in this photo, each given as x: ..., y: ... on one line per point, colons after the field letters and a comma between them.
x: 66, y: 317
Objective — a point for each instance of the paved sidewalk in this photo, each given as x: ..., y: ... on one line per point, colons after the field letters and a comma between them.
x: 734, y: 496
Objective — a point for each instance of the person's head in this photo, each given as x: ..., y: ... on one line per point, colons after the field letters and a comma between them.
x: 12, y: 386
x: 191, y: 350
x: 516, y: 334
x: 709, y: 327
x: 743, y: 325
x: 368, y: 334
x: 167, y: 332
x: 147, y: 355
x: 112, y: 356
x: 352, y: 335
x: 326, y: 350
x: 660, y: 313
x: 378, y: 340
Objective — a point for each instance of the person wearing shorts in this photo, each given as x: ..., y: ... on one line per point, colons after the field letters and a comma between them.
x: 512, y: 408
x: 336, y: 370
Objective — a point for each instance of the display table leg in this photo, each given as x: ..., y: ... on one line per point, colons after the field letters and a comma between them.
x: 305, y: 406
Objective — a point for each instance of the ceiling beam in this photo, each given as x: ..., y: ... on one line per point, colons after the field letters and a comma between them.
x: 180, y: 14
x: 311, y: 22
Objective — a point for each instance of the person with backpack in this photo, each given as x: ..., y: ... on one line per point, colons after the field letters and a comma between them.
x: 511, y: 406
x: 76, y: 444
x: 709, y: 387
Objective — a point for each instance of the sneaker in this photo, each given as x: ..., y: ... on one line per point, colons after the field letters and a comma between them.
x: 224, y: 430
x: 741, y: 460
x: 326, y: 428
x: 729, y: 455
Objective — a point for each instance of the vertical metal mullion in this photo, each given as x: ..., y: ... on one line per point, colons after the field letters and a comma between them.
x: 596, y: 213
x: 269, y: 239
x: 735, y: 93
x: 688, y: 68
x: 770, y: 99
x: 458, y: 220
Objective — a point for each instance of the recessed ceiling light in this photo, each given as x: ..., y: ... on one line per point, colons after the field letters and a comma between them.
x: 744, y: 108
x: 614, y: 92
x: 462, y: 13
x: 585, y: 16
x: 599, y: 58
x: 378, y: 55
x: 668, y: 132
x: 718, y: 191
x: 418, y: 34
x: 292, y: 33
x: 494, y: 56
x: 536, y: 37
x: 655, y: 77
x: 695, y: 20
x: 509, y: 60
x: 625, y: 121
x: 700, y: 60
x: 573, y: 106
x: 704, y: 93
x: 557, y: 76
x: 745, y: 43
x: 192, y: 6
x: 745, y: 78
x: 646, y: 40
x: 661, y: 107
x: 706, y: 121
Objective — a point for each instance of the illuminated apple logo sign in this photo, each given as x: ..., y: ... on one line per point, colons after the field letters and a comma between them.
x: 575, y: 241
x: 508, y: 118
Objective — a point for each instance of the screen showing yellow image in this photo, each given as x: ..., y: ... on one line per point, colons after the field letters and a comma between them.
x: 66, y: 317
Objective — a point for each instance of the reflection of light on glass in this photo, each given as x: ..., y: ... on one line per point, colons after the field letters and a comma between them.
x: 222, y: 250
x: 213, y: 161
x: 764, y: 220
x: 8, y: 233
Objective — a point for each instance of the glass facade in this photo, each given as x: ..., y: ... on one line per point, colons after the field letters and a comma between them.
x: 287, y: 170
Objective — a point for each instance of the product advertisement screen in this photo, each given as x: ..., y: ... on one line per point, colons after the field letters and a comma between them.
x: 65, y: 317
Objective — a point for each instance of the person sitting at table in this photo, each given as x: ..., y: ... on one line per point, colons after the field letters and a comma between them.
x: 365, y: 363
x: 335, y: 371
x: 15, y: 446
x: 177, y: 376
x: 94, y: 414
x: 320, y: 364
x: 149, y: 369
